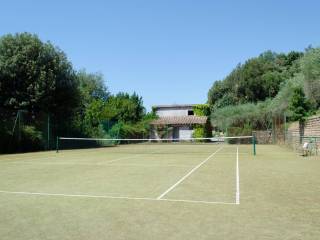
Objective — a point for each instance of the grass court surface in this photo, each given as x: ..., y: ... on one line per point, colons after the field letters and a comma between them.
x: 166, y: 191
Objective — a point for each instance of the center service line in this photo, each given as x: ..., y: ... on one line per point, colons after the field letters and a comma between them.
x: 187, y: 175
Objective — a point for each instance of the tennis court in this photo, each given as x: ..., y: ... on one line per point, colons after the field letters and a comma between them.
x: 160, y: 191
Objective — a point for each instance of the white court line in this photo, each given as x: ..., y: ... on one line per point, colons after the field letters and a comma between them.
x: 40, y: 156
x: 122, y: 158
x: 237, y: 179
x: 187, y: 175
x: 27, y: 158
x: 107, y: 162
x: 76, y: 156
x: 97, y: 164
x: 133, y: 156
x: 112, y: 197
x: 23, y: 161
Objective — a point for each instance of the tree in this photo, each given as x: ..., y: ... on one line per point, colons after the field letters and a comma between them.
x: 256, y: 80
x: 93, y: 117
x: 36, y: 76
x: 310, y: 65
x: 124, y: 107
x: 92, y: 87
x: 93, y: 97
x: 299, y: 105
x: 300, y: 108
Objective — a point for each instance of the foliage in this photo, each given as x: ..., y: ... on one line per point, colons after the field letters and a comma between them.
x: 129, y: 130
x: 254, y: 114
x: 201, y: 110
x: 259, y: 115
x: 124, y: 111
x: 256, y: 80
x: 299, y: 105
x: 36, y: 76
x: 202, y: 131
x: 124, y: 107
x: 32, y: 138
x: 310, y: 66
x: 163, y: 131
x: 280, y: 103
x: 92, y: 101
x: 265, y: 87
x: 92, y: 86
x: 198, y: 132
x: 93, y: 117
x: 245, y: 130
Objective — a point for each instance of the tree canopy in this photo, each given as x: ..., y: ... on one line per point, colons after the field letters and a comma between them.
x: 265, y: 87
x: 256, y: 80
x: 36, y: 77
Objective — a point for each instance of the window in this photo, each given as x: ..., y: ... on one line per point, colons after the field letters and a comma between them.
x: 190, y: 113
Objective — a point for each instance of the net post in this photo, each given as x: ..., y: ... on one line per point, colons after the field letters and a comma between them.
x: 57, y: 145
x: 254, y: 144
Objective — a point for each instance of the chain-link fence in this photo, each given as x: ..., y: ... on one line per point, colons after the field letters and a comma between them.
x: 23, y: 131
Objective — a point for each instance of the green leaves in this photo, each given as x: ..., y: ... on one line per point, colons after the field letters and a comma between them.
x: 124, y: 107
x: 35, y: 76
x: 310, y: 66
x: 267, y: 86
x: 201, y: 110
x: 299, y: 105
x: 256, y: 80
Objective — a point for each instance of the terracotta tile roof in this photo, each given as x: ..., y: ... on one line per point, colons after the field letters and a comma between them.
x: 179, y: 120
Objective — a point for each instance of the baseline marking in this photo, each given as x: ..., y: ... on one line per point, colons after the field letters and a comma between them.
x: 112, y: 197
x: 187, y: 175
x: 237, y: 179
x: 97, y: 164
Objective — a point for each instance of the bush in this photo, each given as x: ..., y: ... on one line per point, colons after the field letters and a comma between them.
x: 198, y: 132
x: 30, y: 140
x: 201, y: 110
x: 310, y: 66
x: 202, y: 131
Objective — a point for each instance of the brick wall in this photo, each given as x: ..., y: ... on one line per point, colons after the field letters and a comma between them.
x: 296, y: 135
x: 263, y: 137
x: 311, y: 127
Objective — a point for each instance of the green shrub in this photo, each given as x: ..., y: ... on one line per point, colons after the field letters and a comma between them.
x: 31, y: 139
x: 201, y: 110
x: 202, y: 131
x: 198, y: 132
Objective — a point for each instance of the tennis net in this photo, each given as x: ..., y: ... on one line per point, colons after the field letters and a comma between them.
x: 156, y: 146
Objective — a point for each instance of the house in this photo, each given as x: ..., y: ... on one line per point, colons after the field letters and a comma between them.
x: 175, y: 121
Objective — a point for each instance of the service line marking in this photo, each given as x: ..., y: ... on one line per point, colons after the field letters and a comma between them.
x: 111, y: 197
x: 187, y: 175
x: 106, y: 164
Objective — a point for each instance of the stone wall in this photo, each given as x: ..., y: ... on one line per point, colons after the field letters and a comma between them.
x: 311, y: 128
x: 263, y: 137
x: 296, y: 134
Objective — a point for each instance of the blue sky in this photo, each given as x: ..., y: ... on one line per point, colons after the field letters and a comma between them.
x: 166, y: 51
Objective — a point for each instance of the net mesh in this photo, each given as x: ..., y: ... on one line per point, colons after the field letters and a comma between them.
x: 154, y: 146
